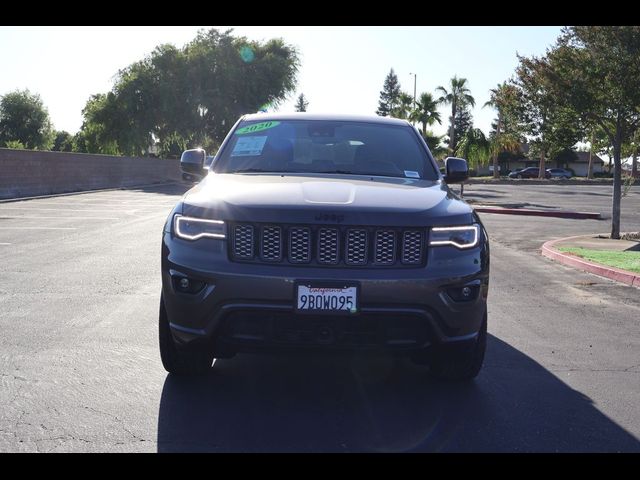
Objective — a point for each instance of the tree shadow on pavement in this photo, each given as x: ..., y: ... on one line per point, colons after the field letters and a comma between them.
x: 320, y: 403
x: 171, y: 188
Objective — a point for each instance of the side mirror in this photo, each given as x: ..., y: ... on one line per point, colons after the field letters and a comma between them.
x: 456, y: 170
x: 192, y: 161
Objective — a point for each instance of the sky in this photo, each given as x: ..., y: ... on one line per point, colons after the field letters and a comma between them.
x: 342, y: 68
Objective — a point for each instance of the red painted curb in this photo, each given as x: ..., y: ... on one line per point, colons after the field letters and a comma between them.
x: 539, y: 213
x: 612, y: 273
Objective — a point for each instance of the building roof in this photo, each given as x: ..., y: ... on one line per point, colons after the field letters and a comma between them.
x: 324, y: 116
x: 583, y: 157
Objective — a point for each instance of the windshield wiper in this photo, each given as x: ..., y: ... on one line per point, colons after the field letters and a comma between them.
x: 345, y: 172
x: 251, y: 170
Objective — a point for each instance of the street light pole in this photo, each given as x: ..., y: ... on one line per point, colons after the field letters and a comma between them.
x: 415, y: 77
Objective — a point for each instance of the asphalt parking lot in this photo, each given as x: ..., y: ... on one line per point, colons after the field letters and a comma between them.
x: 80, y: 367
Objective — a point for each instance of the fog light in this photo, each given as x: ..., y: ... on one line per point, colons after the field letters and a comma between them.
x: 464, y: 294
x: 184, y: 284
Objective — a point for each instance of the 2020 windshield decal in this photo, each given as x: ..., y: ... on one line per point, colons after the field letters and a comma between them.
x: 257, y: 127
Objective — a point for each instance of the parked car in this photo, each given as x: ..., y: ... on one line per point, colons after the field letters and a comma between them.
x: 324, y: 233
x: 529, y: 172
x: 559, y: 173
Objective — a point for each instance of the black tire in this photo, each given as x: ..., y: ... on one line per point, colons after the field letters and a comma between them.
x: 196, y: 360
x: 461, y: 365
x: 519, y: 176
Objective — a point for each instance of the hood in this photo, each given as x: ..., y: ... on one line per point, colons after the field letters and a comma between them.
x: 326, y: 199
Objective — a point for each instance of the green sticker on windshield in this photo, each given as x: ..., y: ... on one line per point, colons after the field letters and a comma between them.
x: 256, y: 127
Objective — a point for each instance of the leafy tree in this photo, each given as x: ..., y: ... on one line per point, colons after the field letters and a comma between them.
x: 101, y: 126
x: 25, y: 119
x: 302, y: 103
x: 425, y: 112
x: 505, y: 133
x: 404, y: 108
x: 458, y: 96
x: 63, y: 142
x: 389, y: 96
x: 462, y: 124
x: 595, y: 70
x: 189, y: 96
x: 551, y: 126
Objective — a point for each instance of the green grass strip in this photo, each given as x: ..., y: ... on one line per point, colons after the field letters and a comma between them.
x: 624, y: 260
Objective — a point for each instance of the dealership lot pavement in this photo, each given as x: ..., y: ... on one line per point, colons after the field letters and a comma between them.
x: 80, y: 368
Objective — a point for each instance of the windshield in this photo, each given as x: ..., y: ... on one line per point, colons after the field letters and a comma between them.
x: 318, y: 146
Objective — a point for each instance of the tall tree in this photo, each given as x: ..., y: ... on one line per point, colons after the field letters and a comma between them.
x: 595, y: 70
x: 425, y: 112
x: 301, y: 103
x: 551, y: 126
x: 457, y: 95
x: 463, y: 123
x: 191, y: 95
x: 504, y: 99
x: 389, y: 96
x: 25, y: 119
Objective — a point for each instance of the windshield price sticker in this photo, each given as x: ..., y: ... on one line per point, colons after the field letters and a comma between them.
x: 249, y: 146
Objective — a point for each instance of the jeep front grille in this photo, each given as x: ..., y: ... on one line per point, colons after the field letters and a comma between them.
x: 356, y: 249
x: 299, y: 245
x: 327, y: 246
x: 243, y: 242
x: 271, y: 244
x: 385, y: 248
x: 412, y: 247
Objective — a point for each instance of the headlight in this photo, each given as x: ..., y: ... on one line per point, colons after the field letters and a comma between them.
x: 190, y: 228
x: 460, y: 237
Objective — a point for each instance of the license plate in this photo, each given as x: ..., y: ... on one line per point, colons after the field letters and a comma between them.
x: 327, y: 299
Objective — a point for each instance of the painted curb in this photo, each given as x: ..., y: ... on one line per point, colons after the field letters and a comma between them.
x: 612, y: 273
x: 539, y: 213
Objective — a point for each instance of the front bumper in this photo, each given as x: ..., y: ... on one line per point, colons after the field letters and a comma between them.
x: 252, y: 305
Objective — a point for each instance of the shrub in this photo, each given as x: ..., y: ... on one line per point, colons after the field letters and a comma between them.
x: 15, y: 144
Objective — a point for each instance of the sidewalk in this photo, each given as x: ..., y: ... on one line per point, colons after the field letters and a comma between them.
x: 600, y: 243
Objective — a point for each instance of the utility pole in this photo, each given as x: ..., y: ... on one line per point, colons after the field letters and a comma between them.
x: 415, y: 77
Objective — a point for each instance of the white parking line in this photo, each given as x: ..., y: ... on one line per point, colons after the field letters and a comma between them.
x: 2, y: 209
x: 112, y: 205
x: 3, y: 243
x: 54, y: 217
x: 38, y: 228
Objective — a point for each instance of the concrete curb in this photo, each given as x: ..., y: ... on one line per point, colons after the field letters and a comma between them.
x: 80, y: 192
x: 539, y: 213
x: 612, y: 273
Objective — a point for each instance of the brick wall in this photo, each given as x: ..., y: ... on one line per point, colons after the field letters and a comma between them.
x: 26, y: 173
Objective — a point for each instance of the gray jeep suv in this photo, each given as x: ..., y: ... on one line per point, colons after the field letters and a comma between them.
x: 324, y: 233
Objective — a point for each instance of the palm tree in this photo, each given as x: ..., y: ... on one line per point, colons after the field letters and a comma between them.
x: 405, y: 106
x: 434, y: 142
x: 425, y: 112
x: 457, y: 96
x: 475, y: 147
